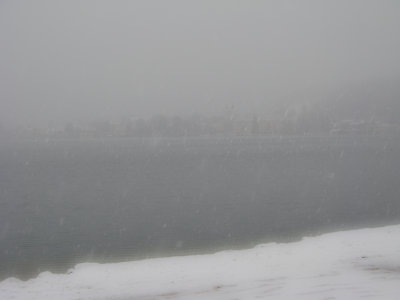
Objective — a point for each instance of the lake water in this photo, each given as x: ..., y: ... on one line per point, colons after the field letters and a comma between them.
x: 68, y: 201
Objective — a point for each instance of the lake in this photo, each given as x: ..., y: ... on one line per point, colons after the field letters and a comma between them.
x: 105, y: 200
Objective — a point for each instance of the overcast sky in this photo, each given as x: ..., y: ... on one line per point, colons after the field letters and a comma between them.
x: 69, y: 60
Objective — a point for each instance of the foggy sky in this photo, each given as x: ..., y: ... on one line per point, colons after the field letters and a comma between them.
x: 72, y: 60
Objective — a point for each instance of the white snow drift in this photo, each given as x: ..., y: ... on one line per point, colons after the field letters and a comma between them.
x: 358, y: 264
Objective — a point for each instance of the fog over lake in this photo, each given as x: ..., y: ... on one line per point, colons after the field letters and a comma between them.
x: 134, y: 129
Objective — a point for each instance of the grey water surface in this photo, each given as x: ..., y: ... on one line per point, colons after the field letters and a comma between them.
x: 104, y: 200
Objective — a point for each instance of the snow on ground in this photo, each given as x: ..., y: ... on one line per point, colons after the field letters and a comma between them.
x: 358, y: 264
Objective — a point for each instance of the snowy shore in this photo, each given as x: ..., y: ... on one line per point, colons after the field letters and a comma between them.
x: 357, y: 264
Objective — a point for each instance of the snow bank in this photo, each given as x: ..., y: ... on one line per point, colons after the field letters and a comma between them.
x: 355, y: 264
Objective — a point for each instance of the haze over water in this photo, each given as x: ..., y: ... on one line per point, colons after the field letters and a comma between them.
x: 318, y: 82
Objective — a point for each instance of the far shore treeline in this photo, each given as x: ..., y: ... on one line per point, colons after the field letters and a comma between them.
x: 292, y: 122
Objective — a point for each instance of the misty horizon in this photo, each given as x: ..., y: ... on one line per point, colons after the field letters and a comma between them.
x: 67, y: 61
